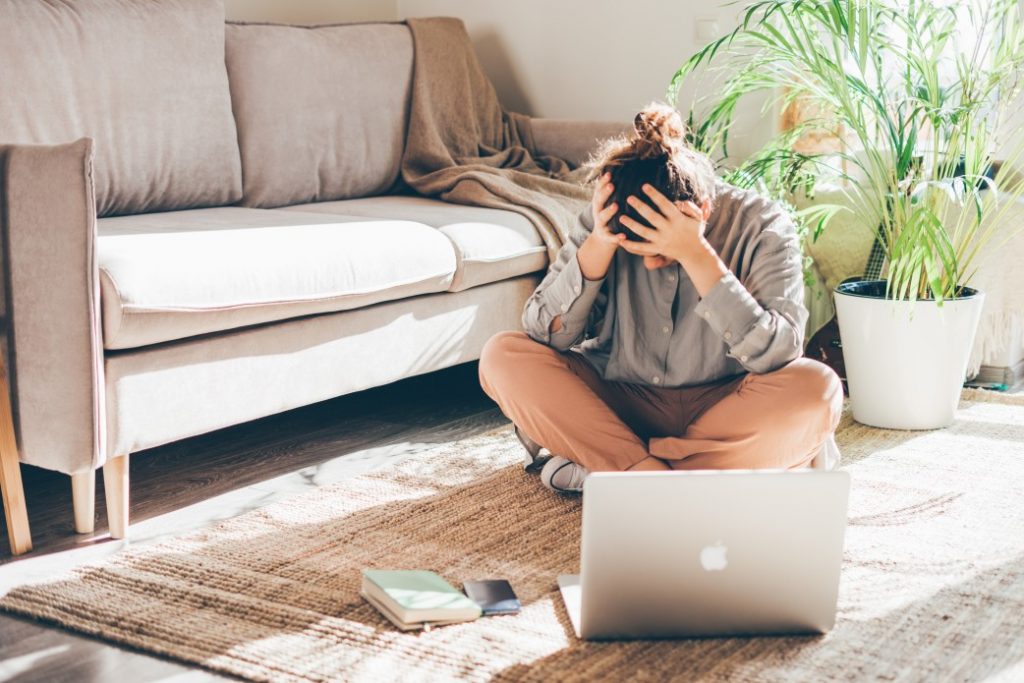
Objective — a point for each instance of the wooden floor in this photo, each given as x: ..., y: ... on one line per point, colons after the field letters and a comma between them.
x: 192, y: 483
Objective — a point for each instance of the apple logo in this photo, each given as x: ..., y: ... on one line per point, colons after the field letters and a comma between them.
x: 712, y: 557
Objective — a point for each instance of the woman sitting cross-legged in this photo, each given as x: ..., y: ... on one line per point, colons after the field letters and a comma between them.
x: 668, y: 333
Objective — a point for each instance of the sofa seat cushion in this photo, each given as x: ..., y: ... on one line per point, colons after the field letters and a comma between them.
x: 180, y: 274
x: 491, y: 244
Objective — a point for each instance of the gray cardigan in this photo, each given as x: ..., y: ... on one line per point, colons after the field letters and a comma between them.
x: 650, y: 327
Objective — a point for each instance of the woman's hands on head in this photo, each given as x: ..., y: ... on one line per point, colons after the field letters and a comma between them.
x: 678, y: 227
x: 603, y: 215
x: 597, y: 251
x: 678, y: 235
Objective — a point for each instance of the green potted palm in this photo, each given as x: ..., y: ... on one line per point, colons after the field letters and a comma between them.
x: 916, y: 94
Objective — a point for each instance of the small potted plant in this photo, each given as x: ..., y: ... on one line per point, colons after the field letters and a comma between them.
x: 916, y: 92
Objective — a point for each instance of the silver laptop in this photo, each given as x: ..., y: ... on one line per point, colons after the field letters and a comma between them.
x: 708, y: 553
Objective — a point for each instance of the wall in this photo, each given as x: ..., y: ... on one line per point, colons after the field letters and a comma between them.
x: 578, y: 59
x: 591, y: 59
x: 311, y: 11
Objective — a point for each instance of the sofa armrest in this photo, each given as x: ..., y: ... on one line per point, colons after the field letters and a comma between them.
x: 48, y: 227
x: 572, y: 140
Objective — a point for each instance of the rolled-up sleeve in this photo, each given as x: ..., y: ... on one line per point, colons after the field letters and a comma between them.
x: 563, y: 292
x: 762, y: 319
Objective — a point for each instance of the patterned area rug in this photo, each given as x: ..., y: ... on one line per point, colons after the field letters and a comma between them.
x: 932, y: 586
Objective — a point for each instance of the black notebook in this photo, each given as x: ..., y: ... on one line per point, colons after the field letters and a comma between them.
x: 495, y: 596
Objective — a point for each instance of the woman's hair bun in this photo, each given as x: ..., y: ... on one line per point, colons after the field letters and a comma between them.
x: 659, y: 131
x: 655, y: 152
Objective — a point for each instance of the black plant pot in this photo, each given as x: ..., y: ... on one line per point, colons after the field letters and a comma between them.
x: 875, y: 289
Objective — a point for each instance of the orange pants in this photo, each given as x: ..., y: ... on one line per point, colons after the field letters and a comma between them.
x: 778, y: 419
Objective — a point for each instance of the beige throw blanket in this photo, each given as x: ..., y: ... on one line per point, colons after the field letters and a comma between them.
x: 464, y: 148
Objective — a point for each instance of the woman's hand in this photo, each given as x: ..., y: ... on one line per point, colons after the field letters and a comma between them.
x: 677, y: 232
x: 677, y: 235
x: 597, y: 251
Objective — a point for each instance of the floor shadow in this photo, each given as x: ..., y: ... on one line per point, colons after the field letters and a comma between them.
x: 278, y: 591
x: 925, y: 509
x: 452, y: 527
x: 438, y: 407
x: 298, y: 577
x: 968, y: 631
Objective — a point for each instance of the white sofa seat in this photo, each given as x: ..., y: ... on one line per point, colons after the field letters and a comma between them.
x: 180, y: 274
x: 162, y: 393
x: 491, y: 244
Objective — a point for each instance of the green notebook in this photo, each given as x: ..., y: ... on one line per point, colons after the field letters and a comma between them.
x: 411, y: 598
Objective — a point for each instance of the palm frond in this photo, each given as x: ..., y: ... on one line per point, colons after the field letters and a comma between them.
x: 919, y: 89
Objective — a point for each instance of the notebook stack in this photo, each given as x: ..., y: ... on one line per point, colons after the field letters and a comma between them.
x: 413, y: 599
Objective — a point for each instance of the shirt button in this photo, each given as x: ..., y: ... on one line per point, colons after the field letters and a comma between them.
x: 707, y: 314
x: 671, y: 278
x: 743, y: 359
x: 665, y: 329
x: 727, y: 335
x: 565, y: 308
x: 656, y: 379
x: 576, y: 289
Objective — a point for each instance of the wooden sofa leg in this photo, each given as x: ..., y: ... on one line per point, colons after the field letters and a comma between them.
x: 115, y: 483
x: 83, y: 499
x: 15, y: 512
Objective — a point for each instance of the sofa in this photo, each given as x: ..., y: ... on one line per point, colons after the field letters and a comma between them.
x: 204, y: 223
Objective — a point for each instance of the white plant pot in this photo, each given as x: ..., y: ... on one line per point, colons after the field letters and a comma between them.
x: 905, y: 361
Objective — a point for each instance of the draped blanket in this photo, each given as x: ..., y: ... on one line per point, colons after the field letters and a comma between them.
x: 462, y: 147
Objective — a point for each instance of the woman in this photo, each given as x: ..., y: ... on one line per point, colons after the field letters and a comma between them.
x: 668, y: 333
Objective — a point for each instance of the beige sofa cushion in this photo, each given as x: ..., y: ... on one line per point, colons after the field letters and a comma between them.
x: 172, y: 391
x: 491, y: 244
x: 321, y: 112
x: 144, y: 79
x: 181, y: 274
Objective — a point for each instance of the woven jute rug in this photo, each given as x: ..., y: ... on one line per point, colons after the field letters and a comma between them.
x: 932, y: 586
